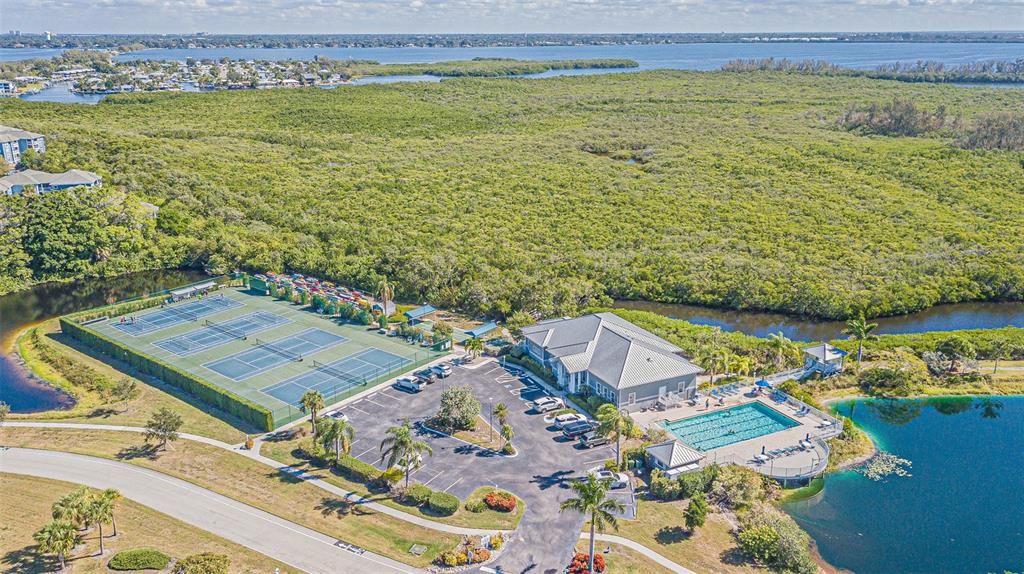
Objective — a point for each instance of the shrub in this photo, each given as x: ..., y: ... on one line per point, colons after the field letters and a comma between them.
x: 75, y: 372
x: 496, y: 542
x: 500, y: 501
x: 418, y: 494
x: 358, y: 470
x: 580, y: 563
x: 205, y: 563
x: 481, y: 555
x: 475, y: 505
x: 448, y: 558
x: 443, y: 503
x: 139, y: 559
x: 773, y: 538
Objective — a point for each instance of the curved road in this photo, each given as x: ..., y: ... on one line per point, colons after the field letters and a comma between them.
x: 296, y: 545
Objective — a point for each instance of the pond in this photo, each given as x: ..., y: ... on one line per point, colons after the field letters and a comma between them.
x: 18, y: 310
x: 961, y: 509
x: 938, y: 318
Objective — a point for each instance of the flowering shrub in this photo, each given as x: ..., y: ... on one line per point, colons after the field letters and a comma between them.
x: 579, y: 563
x: 500, y: 501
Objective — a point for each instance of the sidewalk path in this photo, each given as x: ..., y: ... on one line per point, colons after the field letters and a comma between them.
x: 585, y: 536
x: 296, y: 545
x: 254, y: 454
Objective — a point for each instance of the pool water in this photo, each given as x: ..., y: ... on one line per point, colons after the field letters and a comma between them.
x: 729, y: 426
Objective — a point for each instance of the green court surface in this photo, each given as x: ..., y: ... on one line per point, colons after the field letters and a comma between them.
x: 266, y: 350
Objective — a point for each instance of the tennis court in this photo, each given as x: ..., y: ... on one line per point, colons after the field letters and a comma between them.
x: 267, y: 355
x: 338, y: 377
x: 176, y: 314
x: 216, y: 334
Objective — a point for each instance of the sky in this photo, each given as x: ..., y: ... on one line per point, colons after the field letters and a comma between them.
x: 505, y: 16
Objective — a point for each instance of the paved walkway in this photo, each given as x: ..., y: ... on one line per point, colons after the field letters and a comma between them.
x: 254, y: 454
x: 585, y: 536
x: 293, y: 544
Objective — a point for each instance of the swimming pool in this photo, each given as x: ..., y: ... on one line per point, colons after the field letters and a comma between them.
x: 729, y: 426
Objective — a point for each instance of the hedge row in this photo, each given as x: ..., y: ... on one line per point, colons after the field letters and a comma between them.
x: 78, y: 374
x: 225, y: 400
x: 139, y: 559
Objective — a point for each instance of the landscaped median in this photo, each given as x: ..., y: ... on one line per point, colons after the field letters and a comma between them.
x: 358, y: 477
x: 251, y: 482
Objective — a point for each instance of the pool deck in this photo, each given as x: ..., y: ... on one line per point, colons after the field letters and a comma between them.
x: 798, y: 464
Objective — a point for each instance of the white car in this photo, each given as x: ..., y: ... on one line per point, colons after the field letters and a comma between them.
x: 442, y: 370
x: 548, y: 404
x: 562, y: 421
x: 408, y: 384
x: 618, y: 479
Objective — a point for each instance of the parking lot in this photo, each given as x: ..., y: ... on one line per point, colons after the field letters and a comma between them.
x: 461, y: 468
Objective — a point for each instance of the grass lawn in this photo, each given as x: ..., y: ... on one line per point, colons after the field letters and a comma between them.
x: 285, y: 452
x: 246, y: 480
x: 93, y: 408
x: 25, y: 507
x: 482, y: 434
x: 659, y: 526
x: 623, y: 560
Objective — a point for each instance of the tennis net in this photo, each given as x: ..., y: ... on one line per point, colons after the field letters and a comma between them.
x: 226, y: 330
x: 279, y: 350
x: 183, y: 313
x: 347, y: 377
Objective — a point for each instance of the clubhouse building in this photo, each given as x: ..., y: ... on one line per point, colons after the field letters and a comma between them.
x: 605, y: 355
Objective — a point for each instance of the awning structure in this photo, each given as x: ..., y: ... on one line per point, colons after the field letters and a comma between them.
x: 763, y: 384
x: 186, y: 291
x: 419, y: 312
x: 481, y: 330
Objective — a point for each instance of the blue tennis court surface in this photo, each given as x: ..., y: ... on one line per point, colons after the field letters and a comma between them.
x: 337, y: 377
x: 265, y: 356
x: 217, y: 334
x: 176, y: 314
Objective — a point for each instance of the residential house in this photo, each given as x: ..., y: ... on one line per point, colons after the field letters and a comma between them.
x: 43, y: 182
x: 14, y: 142
x: 605, y: 355
x: 7, y: 88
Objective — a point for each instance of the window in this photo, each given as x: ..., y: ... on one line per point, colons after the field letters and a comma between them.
x: 631, y: 398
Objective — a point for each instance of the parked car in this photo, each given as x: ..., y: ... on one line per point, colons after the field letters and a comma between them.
x: 592, y: 439
x: 562, y: 421
x: 426, y: 376
x: 339, y: 416
x: 548, y: 404
x: 578, y: 429
x: 442, y: 370
x: 409, y: 384
x: 618, y: 479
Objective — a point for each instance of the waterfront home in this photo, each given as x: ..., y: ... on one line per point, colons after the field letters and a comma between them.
x: 673, y: 457
x: 14, y: 142
x: 604, y: 355
x: 824, y: 359
x: 42, y: 182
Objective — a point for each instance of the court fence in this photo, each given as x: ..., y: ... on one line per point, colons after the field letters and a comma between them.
x: 352, y: 385
x: 151, y: 299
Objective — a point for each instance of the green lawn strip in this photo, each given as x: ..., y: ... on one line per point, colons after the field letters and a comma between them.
x: 482, y: 434
x: 285, y: 452
x: 238, y: 477
x: 26, y: 508
x: 624, y: 560
x: 94, y: 408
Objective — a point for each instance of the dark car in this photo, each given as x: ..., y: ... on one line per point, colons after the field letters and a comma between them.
x: 425, y: 376
x: 592, y: 439
x: 578, y: 429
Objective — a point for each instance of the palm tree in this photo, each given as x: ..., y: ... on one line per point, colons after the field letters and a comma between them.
x: 58, y: 537
x: 100, y: 511
x: 859, y: 329
x: 312, y: 401
x: 591, y: 501
x: 336, y: 433
x: 719, y: 361
x: 474, y: 346
x: 742, y: 365
x: 400, y: 448
x: 386, y: 291
x: 113, y: 495
x: 501, y: 411
x: 73, y: 508
x: 507, y: 434
x: 782, y: 347
x: 617, y: 422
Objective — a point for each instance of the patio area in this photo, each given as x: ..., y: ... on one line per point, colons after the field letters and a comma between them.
x: 806, y: 453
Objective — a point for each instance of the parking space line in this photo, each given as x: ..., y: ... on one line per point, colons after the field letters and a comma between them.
x: 364, y: 452
x: 594, y: 461
x: 355, y: 408
x: 371, y: 401
x: 439, y: 473
x: 454, y: 483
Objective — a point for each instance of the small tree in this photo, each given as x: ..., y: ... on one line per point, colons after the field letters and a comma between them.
x: 474, y: 346
x: 957, y: 349
x: 442, y: 331
x: 114, y: 496
x: 507, y: 434
x: 1002, y: 350
x: 58, y: 537
x: 501, y: 412
x: 860, y: 330
x: 163, y: 426
x: 312, y: 402
x: 382, y: 321
x: 459, y: 408
x: 697, y: 512
x: 335, y: 434
x: 592, y: 502
x: 516, y: 321
x: 126, y: 390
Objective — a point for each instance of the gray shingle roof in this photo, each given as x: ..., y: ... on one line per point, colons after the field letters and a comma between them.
x: 612, y: 349
x: 9, y: 134
x: 32, y: 177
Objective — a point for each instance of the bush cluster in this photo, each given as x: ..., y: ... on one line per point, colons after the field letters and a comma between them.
x: 205, y: 563
x: 443, y: 503
x: 685, y: 485
x: 139, y: 559
x: 581, y: 563
x: 77, y: 373
x: 418, y: 494
x: 500, y: 501
x: 772, y: 538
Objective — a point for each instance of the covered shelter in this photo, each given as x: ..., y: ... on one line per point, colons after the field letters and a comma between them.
x: 481, y: 330
x: 672, y: 457
x: 416, y: 315
x: 191, y: 290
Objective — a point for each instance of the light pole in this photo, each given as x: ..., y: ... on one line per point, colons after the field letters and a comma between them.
x: 490, y: 417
